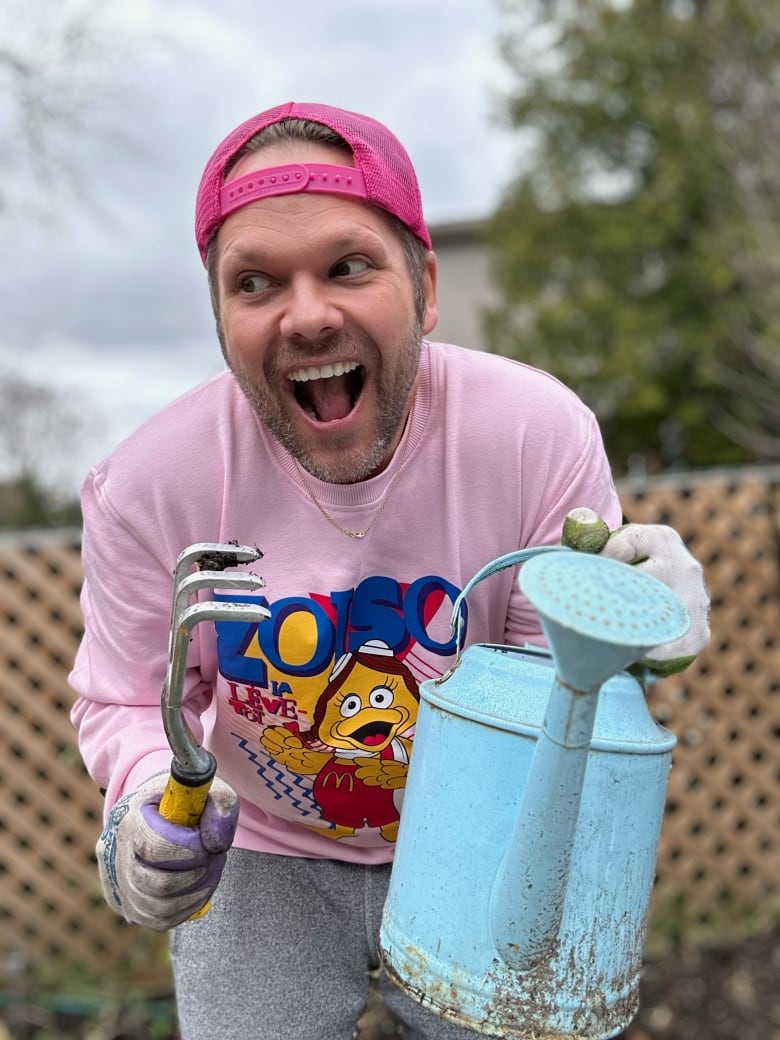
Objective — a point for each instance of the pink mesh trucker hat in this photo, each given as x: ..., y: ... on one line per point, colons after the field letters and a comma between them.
x: 383, y: 173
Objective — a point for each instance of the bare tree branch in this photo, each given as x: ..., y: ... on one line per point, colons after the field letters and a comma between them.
x: 60, y: 92
x: 39, y: 429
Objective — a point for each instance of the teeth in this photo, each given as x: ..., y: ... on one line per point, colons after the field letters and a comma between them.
x: 303, y: 375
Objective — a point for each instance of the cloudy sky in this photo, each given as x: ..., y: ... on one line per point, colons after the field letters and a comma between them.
x: 102, y: 292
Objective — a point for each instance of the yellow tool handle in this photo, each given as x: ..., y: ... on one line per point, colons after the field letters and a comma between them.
x: 183, y: 804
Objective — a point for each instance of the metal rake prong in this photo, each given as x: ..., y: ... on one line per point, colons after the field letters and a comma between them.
x: 216, y: 556
x: 219, y: 555
x: 192, y: 583
x: 227, y: 553
x: 187, y: 752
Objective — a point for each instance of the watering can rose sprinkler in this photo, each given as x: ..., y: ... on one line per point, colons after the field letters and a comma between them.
x: 526, y: 853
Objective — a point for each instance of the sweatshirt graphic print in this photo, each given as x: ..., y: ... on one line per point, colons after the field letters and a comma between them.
x: 322, y: 697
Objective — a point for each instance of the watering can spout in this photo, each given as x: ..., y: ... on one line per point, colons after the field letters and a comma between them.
x: 599, y: 616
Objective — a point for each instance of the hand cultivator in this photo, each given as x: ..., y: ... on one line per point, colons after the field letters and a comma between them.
x: 193, y: 767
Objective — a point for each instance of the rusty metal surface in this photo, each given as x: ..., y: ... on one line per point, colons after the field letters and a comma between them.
x: 522, y: 1005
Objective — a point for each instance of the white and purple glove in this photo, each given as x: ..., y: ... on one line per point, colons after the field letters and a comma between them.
x: 156, y: 873
x: 659, y: 551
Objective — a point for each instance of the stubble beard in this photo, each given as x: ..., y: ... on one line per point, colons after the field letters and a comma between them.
x: 392, y: 394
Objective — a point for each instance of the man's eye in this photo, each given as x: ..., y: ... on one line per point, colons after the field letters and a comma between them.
x: 252, y: 283
x: 350, y: 266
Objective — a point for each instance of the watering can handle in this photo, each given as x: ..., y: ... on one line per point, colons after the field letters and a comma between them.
x: 583, y: 530
x: 501, y: 563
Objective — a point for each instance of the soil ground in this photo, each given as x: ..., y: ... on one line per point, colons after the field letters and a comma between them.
x: 716, y: 992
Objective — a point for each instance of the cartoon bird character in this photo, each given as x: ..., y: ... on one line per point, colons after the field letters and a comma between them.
x: 357, y: 748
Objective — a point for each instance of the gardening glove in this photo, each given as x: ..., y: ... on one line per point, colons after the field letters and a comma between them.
x: 155, y: 873
x: 658, y: 550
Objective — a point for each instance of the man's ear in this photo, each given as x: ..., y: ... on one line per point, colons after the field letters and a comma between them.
x: 431, y: 313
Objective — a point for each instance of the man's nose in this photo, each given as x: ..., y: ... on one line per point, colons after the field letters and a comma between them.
x: 310, y: 310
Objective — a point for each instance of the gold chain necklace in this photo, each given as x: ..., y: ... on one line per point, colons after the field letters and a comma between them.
x: 385, y: 498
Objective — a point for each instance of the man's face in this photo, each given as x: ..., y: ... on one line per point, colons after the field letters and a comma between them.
x: 316, y: 306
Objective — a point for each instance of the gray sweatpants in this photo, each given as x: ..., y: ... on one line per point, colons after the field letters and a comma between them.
x: 285, y: 952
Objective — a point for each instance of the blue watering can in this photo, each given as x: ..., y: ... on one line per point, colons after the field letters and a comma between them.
x: 526, y: 853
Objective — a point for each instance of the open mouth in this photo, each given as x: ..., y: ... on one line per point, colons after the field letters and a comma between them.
x: 328, y: 393
x: 372, y: 734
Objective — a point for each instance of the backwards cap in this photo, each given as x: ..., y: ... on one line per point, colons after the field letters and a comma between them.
x: 383, y: 173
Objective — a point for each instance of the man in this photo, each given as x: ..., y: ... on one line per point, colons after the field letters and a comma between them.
x: 377, y: 472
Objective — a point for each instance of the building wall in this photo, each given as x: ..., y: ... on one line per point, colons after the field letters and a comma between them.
x: 464, y: 283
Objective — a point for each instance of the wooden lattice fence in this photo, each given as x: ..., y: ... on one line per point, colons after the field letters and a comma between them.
x: 50, y: 811
x: 720, y: 851
x: 719, y: 860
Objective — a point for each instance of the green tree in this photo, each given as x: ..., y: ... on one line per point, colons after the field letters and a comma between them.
x: 637, y: 252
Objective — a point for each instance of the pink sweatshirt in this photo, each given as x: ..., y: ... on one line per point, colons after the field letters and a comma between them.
x: 496, y: 456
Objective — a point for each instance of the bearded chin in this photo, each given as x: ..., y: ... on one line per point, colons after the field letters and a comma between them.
x: 351, y: 465
x: 345, y: 468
